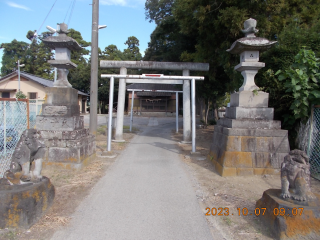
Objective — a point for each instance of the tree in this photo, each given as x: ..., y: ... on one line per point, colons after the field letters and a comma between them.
x: 12, y: 52
x: 171, y: 41
x: 39, y: 55
x: 34, y: 55
x: 79, y: 77
x: 218, y: 25
x: 212, y: 26
x: 167, y: 42
x: 112, y: 52
x: 79, y: 56
x: 158, y: 10
x: 132, y: 52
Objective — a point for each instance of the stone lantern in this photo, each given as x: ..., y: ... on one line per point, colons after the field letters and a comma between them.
x: 247, y: 140
x: 248, y: 48
x: 62, y: 44
x: 68, y: 144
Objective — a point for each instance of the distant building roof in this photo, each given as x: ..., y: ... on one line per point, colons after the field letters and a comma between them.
x: 8, y: 89
x: 151, y: 86
x: 154, y: 94
x: 44, y: 82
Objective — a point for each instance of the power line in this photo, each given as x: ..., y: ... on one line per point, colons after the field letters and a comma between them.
x: 35, y: 35
x: 67, y: 12
x: 46, y: 17
x: 74, y: 3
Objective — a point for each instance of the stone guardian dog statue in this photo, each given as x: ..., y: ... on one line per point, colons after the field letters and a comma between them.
x: 29, y: 149
x: 295, y: 176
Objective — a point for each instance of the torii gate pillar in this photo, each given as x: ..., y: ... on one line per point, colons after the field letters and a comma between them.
x: 186, y: 108
x: 120, y: 110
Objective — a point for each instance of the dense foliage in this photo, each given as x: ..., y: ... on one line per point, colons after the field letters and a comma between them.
x: 79, y: 77
x: 211, y: 26
x: 301, y: 82
x: 35, y: 56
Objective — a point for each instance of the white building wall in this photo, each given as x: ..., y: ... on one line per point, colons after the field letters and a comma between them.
x: 26, y: 86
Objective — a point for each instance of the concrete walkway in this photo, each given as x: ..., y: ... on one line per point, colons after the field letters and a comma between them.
x: 153, y: 121
x: 146, y: 194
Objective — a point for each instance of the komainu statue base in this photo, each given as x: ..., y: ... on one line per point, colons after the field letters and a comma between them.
x: 23, y: 205
x: 292, y: 212
x: 290, y: 218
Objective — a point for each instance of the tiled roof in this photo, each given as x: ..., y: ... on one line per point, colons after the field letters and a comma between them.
x: 150, y: 86
x: 44, y: 82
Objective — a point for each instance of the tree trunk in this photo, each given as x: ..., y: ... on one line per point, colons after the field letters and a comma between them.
x: 207, y: 112
x: 215, y: 110
x: 99, y: 107
x: 202, y: 109
x: 103, y: 107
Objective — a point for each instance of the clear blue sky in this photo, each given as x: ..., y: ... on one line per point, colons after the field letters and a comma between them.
x: 124, y: 18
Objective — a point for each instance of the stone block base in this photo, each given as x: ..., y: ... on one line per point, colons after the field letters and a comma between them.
x: 290, y: 219
x: 66, y: 110
x: 249, y: 99
x: 62, y: 123
x: 68, y: 144
x: 242, y: 171
x: 249, y: 123
x: 68, y: 149
x: 60, y: 96
x: 249, y: 113
x: 242, y: 152
x: 21, y: 206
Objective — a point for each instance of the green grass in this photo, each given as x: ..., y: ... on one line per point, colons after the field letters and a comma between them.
x: 127, y: 129
x: 227, y: 220
x: 9, y: 235
x: 103, y: 129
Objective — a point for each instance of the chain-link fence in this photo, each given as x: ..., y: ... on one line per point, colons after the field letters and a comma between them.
x: 35, y: 108
x: 314, y: 142
x: 13, y: 121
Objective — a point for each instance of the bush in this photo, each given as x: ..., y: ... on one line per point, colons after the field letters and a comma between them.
x: 20, y: 95
x: 212, y: 122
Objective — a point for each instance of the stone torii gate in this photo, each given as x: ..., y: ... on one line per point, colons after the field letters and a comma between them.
x: 185, y: 67
x: 152, y: 77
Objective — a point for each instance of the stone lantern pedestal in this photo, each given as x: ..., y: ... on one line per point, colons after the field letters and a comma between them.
x: 248, y: 141
x: 68, y: 144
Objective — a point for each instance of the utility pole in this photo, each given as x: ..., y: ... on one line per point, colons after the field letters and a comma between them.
x: 94, y: 68
x: 22, y: 65
x: 19, y: 75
